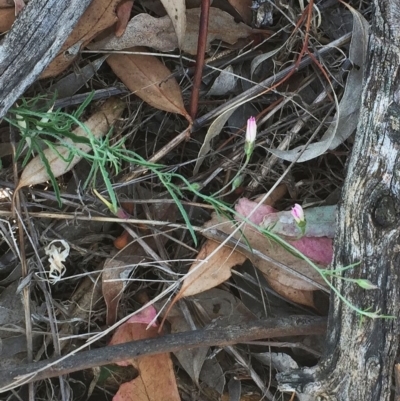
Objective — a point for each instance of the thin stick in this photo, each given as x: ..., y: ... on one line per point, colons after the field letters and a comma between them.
x: 15, y: 376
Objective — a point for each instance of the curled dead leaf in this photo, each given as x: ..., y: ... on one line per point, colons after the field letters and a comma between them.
x: 159, y: 33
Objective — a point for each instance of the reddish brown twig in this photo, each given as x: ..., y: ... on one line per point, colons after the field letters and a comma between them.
x: 201, y: 51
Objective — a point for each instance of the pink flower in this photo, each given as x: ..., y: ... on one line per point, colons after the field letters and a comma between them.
x: 298, y: 213
x: 251, y: 130
x: 251, y: 133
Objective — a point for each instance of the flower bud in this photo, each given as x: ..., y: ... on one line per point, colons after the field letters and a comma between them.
x: 366, y: 284
x: 251, y: 133
x: 298, y: 213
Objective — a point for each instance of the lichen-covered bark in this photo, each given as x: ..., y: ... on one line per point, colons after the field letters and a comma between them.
x: 360, y: 352
x: 33, y: 42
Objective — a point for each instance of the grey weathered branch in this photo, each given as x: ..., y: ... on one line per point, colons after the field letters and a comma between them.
x: 360, y: 353
x: 34, y: 40
x: 219, y: 336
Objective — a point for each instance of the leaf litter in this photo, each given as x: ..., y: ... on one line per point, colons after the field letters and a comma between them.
x: 156, y: 158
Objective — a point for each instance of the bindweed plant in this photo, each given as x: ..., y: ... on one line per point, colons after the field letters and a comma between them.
x: 45, y: 129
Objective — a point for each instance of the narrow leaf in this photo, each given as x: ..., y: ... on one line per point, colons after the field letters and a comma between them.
x: 346, y: 118
x: 176, y: 9
x: 59, y: 157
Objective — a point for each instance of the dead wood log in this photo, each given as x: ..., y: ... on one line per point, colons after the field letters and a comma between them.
x: 360, y: 353
x: 34, y: 40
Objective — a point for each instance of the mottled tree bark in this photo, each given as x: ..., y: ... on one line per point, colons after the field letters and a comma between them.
x: 360, y: 353
x: 34, y: 40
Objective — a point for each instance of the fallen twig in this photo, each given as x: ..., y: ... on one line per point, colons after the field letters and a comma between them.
x: 14, y: 376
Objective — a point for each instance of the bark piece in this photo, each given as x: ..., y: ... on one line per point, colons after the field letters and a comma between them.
x: 34, y: 40
x: 360, y: 352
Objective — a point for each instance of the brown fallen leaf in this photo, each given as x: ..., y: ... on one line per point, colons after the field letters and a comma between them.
x: 302, y: 297
x: 243, y: 7
x: 156, y: 380
x: 7, y: 18
x: 159, y: 33
x: 148, y: 78
x: 123, y: 14
x: 98, y: 124
x: 212, y: 273
x: 98, y: 16
x: 6, y: 3
x: 218, y: 267
x: 278, y: 278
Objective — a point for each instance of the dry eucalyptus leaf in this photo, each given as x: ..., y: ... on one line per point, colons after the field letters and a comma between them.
x: 191, y: 359
x: 156, y: 380
x: 244, y: 9
x: 346, y: 118
x: 99, y: 15
x: 123, y: 15
x: 302, y: 297
x: 159, y: 33
x: 283, y: 282
x: 70, y: 84
x: 213, y: 272
x: 7, y: 18
x: 176, y: 10
x: 148, y: 78
x: 275, y: 251
x: 98, y: 124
